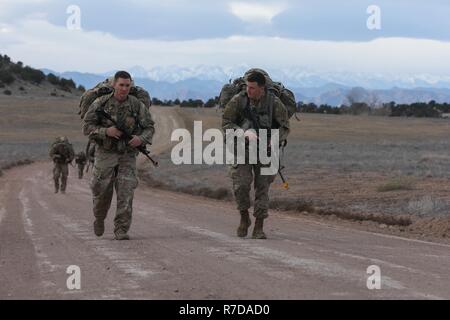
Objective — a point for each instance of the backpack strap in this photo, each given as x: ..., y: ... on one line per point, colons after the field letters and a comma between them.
x: 244, y: 103
x: 270, y: 103
x: 102, y: 105
x: 135, y: 104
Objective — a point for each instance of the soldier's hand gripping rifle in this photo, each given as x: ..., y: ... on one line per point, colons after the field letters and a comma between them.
x: 142, y: 149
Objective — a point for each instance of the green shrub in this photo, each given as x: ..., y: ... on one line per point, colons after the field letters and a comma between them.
x: 53, y: 79
x: 397, y: 184
x: 33, y: 75
x: 6, y: 77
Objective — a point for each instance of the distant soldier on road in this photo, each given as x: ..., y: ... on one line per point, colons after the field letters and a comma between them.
x: 81, y: 161
x: 62, y: 154
x: 115, y: 157
x: 268, y: 112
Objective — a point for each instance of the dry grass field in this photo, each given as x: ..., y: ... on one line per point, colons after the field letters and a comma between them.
x: 395, y: 171
x: 29, y: 125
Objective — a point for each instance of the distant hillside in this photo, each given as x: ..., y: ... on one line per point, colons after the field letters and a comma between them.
x: 20, y: 80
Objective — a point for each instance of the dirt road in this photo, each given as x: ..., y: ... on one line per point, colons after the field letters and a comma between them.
x: 185, y: 247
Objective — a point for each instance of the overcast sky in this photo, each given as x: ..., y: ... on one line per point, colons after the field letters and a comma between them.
x: 322, y: 35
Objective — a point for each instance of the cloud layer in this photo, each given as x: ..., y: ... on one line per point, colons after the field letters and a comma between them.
x: 321, y: 35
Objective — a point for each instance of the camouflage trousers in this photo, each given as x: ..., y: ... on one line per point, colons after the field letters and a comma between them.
x: 113, y: 171
x: 242, y: 176
x: 60, y: 171
x: 80, y: 170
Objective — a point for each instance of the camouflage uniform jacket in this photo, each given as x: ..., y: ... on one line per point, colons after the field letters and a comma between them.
x: 62, y: 153
x: 270, y: 113
x: 132, y: 115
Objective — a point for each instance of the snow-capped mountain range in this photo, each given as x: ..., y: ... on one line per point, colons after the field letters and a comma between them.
x: 204, y: 82
x: 294, y: 76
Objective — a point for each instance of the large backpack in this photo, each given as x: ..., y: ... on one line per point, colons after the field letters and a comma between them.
x: 230, y: 90
x: 63, y: 147
x: 80, y: 157
x: 277, y: 88
x: 106, y: 87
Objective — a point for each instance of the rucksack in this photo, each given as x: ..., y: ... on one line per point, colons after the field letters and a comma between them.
x: 105, y: 88
x: 230, y: 90
x: 80, y: 157
x: 60, y: 141
x: 63, y: 147
x: 277, y: 88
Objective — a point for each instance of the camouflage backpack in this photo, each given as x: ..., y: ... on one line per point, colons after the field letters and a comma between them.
x: 62, y: 147
x: 277, y: 88
x: 106, y: 87
x: 80, y: 157
x: 230, y: 90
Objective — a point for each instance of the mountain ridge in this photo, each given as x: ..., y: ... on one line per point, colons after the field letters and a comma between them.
x: 170, y: 83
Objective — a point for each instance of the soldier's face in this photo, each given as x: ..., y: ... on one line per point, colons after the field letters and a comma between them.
x: 122, y: 88
x: 254, y: 91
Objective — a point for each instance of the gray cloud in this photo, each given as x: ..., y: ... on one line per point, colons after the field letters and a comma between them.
x: 202, y: 19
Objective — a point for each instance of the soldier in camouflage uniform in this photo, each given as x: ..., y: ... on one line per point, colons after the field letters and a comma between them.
x: 115, y: 158
x: 262, y: 104
x: 80, y: 160
x: 62, y: 154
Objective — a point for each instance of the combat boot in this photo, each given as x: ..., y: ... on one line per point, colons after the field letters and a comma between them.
x: 99, y: 227
x: 242, y: 230
x: 120, y: 235
x: 258, y: 232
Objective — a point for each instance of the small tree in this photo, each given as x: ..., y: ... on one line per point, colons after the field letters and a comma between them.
x: 53, y: 79
x: 156, y: 102
x: 211, y: 103
x: 33, y: 75
x: 6, y: 77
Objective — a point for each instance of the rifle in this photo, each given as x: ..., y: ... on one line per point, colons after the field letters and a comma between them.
x: 249, y: 113
x: 142, y: 149
x: 285, y: 183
